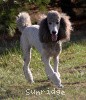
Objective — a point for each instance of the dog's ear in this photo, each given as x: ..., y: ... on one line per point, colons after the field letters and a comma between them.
x: 65, y: 28
x: 44, y: 33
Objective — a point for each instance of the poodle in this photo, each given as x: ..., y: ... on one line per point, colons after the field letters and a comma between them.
x: 47, y: 38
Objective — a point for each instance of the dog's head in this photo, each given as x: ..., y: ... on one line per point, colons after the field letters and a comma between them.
x: 53, y: 21
x: 55, y: 27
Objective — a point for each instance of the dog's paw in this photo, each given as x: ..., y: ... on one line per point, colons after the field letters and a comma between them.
x: 31, y: 82
x: 60, y: 86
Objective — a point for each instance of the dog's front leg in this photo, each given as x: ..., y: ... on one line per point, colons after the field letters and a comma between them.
x: 56, y: 63
x: 53, y: 76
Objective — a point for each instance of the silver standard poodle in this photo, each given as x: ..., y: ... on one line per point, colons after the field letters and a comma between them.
x: 47, y: 38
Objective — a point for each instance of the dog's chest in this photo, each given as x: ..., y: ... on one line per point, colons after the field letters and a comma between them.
x: 52, y: 49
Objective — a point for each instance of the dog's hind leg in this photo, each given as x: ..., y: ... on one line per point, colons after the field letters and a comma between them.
x: 26, y: 48
x: 26, y: 67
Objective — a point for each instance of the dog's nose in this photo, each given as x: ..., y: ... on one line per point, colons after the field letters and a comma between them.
x: 53, y: 32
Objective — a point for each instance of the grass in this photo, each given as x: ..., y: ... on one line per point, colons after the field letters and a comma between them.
x: 13, y: 85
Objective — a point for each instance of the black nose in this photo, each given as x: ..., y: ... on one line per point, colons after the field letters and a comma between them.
x: 53, y: 32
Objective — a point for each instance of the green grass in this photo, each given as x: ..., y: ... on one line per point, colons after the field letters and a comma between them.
x: 13, y: 85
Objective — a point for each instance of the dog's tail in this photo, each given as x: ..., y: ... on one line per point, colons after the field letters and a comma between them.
x: 23, y: 20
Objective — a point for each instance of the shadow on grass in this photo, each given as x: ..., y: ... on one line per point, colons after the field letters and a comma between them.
x: 79, y: 32
x: 7, y: 94
x: 22, y: 91
x: 42, y: 81
x: 6, y: 47
x: 78, y: 36
x: 75, y: 83
x: 39, y: 88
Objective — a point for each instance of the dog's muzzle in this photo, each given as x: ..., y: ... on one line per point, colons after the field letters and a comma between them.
x: 54, y: 36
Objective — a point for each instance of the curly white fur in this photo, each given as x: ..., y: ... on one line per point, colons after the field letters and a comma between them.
x: 30, y: 38
x: 23, y: 20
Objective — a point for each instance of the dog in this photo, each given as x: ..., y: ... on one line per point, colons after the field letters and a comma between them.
x: 47, y: 38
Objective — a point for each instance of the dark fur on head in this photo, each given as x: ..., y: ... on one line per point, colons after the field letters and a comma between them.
x: 64, y: 30
x: 44, y: 33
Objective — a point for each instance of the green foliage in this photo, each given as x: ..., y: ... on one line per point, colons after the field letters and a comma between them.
x: 38, y: 2
x: 7, y: 18
x: 7, y: 21
x: 10, y: 8
x: 42, y: 4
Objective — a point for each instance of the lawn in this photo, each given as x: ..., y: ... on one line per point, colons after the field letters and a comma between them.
x: 13, y: 85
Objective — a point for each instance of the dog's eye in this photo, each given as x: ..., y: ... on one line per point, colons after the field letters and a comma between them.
x: 50, y: 23
x: 57, y: 22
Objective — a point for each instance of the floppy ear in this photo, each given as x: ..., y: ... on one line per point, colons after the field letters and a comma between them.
x: 65, y: 28
x: 44, y: 33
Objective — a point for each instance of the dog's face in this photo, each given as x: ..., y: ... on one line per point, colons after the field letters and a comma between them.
x: 56, y: 26
x: 53, y: 20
